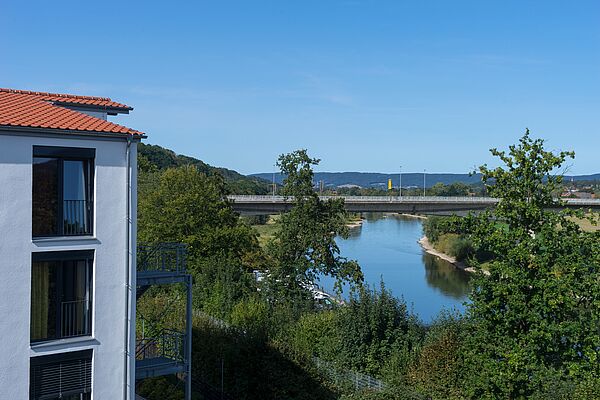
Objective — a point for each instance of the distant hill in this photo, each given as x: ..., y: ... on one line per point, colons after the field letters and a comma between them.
x: 237, y: 183
x: 373, y: 179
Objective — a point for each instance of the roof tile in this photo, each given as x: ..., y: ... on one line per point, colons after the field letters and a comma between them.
x: 25, y: 108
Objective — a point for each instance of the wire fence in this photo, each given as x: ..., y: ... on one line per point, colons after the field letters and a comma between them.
x: 357, y: 380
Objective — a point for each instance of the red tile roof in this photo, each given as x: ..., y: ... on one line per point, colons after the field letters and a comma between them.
x: 22, y: 108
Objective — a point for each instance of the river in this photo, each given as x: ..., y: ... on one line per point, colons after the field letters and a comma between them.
x: 386, y: 247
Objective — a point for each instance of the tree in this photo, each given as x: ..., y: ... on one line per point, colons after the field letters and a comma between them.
x: 185, y: 205
x: 305, y: 247
x: 537, y: 315
x: 454, y: 189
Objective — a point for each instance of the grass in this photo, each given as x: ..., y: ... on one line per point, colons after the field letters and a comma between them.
x: 268, y: 230
x: 586, y: 225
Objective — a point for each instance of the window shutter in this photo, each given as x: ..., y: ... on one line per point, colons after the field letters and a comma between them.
x: 61, y: 375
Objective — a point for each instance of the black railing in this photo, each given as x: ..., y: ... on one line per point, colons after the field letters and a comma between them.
x: 162, y: 257
x: 75, y: 318
x: 167, y: 345
x: 77, y: 217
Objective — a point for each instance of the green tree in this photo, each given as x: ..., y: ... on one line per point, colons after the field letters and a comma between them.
x: 377, y: 334
x: 537, y: 315
x: 305, y: 248
x: 185, y: 205
x: 454, y: 189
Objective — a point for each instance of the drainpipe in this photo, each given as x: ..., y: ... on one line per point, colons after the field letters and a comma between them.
x: 126, y: 357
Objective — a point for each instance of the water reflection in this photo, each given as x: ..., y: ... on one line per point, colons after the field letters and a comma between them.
x: 386, y: 248
x: 444, y: 276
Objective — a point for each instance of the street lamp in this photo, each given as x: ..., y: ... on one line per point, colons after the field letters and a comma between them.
x: 400, y: 187
x: 273, y: 184
x: 423, y: 182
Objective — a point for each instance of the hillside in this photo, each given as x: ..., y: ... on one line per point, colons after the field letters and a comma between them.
x: 162, y: 158
x: 373, y: 179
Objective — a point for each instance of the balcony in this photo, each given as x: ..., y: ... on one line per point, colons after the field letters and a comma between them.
x: 161, y: 355
x: 163, y: 351
x: 161, y: 263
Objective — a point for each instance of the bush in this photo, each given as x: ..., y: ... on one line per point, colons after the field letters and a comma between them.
x: 437, y: 371
x: 251, y: 316
x: 457, y: 246
x: 391, y: 393
x: 377, y: 326
x: 255, y: 219
x: 434, y: 227
x: 461, y: 248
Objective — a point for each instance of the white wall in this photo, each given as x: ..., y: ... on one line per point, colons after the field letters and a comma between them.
x: 16, y: 246
x: 96, y: 114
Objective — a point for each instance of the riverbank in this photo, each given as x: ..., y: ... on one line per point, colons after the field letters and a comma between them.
x: 354, y: 224
x: 428, y: 247
x: 416, y: 216
x: 354, y: 220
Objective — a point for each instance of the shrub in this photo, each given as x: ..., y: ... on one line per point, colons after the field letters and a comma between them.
x: 461, y: 248
x: 437, y: 371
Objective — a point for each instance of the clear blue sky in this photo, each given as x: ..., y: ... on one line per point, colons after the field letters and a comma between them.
x: 364, y: 85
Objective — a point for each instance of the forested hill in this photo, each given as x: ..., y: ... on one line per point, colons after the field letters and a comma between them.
x: 237, y: 183
x: 379, y: 180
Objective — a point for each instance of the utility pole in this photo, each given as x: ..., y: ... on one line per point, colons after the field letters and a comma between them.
x: 424, y: 183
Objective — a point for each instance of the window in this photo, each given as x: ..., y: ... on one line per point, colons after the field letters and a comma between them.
x: 65, y: 376
x: 61, y: 298
x: 62, y: 191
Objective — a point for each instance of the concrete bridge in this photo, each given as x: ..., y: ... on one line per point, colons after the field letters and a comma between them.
x: 256, y: 205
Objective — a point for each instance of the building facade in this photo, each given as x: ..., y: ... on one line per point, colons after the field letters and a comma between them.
x: 67, y: 247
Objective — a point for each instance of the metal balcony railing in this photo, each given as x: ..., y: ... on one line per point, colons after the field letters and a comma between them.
x: 77, y: 217
x: 75, y: 318
x: 169, y: 346
x: 162, y: 257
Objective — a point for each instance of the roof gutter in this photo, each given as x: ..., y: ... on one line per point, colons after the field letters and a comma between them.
x: 91, y: 107
x: 51, y: 132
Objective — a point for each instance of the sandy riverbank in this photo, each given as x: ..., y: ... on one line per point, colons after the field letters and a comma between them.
x: 354, y: 224
x: 416, y: 216
x: 428, y: 247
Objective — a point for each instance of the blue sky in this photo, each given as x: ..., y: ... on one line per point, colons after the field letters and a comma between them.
x: 363, y: 85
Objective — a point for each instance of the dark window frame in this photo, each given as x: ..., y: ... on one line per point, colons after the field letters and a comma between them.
x: 37, y: 378
x: 62, y: 256
x: 62, y: 154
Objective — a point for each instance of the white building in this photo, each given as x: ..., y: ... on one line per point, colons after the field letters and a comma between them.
x: 67, y: 248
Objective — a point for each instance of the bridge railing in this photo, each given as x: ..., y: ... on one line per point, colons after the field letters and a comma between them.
x: 404, y: 199
x: 369, y: 199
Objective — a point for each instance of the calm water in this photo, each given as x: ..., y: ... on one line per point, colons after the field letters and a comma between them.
x: 386, y: 248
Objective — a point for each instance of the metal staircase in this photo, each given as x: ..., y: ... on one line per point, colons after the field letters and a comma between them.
x: 167, y: 351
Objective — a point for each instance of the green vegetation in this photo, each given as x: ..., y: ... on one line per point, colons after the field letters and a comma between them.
x: 447, y: 236
x: 304, y: 247
x: 537, y: 315
x: 266, y: 231
x: 156, y: 158
x: 531, y: 330
x: 587, y: 223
